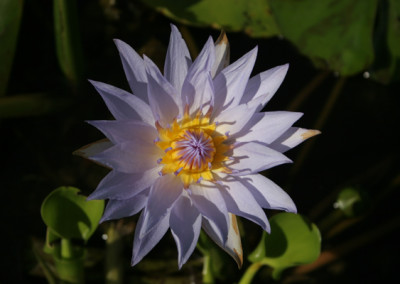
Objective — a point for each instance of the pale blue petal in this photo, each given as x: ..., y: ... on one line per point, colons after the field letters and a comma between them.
x: 161, y: 93
x: 130, y: 157
x: 117, y: 185
x: 252, y: 157
x: 177, y: 61
x: 222, y: 54
x: 134, y: 69
x: 93, y: 148
x: 151, y: 236
x: 268, y: 194
x: 185, y: 223
x: 122, y: 104
x: 120, y: 131
x: 117, y: 209
x: 163, y: 195
x: 209, y: 201
x: 213, y: 231
x: 241, y: 202
x: 194, y: 89
x: 266, y: 127
x: 231, y: 82
x: 264, y: 85
x: 233, y: 244
x: 234, y: 119
x: 292, y: 137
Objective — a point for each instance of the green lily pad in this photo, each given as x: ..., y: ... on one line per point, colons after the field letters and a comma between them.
x: 293, y: 241
x: 334, y: 34
x: 253, y: 17
x: 10, y: 18
x: 68, y: 215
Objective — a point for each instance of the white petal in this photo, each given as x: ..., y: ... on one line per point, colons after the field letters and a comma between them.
x: 117, y: 185
x: 253, y: 157
x: 120, y: 131
x: 210, y: 203
x: 161, y: 93
x: 177, y: 61
x: 130, y: 157
x: 241, y: 202
x: 222, y: 54
x: 233, y: 245
x: 234, y: 119
x: 122, y: 104
x: 265, y: 85
x: 134, y: 69
x: 151, y: 236
x: 185, y: 223
x: 117, y: 209
x: 163, y: 195
x: 93, y: 148
x: 268, y: 194
x: 194, y: 89
x: 267, y: 126
x: 231, y: 82
x: 293, y: 137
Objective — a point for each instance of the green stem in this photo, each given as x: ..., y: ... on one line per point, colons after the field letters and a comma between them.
x: 67, y: 250
x: 250, y: 273
x: 70, y: 264
x: 208, y: 277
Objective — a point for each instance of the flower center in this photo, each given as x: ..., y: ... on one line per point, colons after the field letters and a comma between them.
x: 193, y: 149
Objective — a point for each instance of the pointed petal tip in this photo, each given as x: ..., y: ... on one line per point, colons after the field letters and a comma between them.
x: 174, y: 28
x: 310, y: 133
x: 222, y: 39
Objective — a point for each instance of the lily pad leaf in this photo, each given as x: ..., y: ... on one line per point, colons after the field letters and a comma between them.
x: 253, y: 17
x: 293, y: 241
x: 335, y: 34
x: 68, y: 215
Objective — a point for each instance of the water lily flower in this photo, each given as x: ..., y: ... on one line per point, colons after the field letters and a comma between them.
x: 187, y: 146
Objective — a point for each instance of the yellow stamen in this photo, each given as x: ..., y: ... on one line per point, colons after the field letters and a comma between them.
x: 193, y: 149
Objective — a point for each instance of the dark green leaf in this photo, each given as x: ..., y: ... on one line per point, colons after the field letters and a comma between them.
x: 254, y: 17
x: 10, y: 18
x: 335, y: 34
x: 386, y: 67
x: 69, y: 49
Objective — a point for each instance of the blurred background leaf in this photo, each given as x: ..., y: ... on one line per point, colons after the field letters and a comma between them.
x: 334, y: 34
x: 253, y: 17
x: 386, y: 67
x: 68, y: 44
x: 10, y: 18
